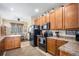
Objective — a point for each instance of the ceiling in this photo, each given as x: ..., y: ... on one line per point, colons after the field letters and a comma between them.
x: 25, y: 10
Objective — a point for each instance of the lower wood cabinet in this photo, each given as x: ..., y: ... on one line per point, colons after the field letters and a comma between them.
x: 51, y: 46
x: 17, y: 42
x: 63, y: 53
x: 12, y: 42
x: 58, y: 44
x: 2, y: 47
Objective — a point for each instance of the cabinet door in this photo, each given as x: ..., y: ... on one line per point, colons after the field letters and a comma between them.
x: 47, y: 18
x: 71, y: 16
x: 52, y: 20
x: 8, y: 43
x: 43, y: 20
x: 17, y: 42
x: 40, y: 19
x: 59, y: 43
x: 51, y: 46
x: 0, y: 48
x: 59, y: 18
x: 37, y: 21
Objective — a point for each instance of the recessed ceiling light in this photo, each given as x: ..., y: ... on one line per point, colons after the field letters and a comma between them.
x: 37, y: 10
x: 12, y: 9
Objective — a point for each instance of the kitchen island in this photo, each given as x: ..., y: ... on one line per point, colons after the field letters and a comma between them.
x: 9, y: 42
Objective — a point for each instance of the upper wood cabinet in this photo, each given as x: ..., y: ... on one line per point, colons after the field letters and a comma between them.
x: 43, y: 20
x: 59, y: 18
x: 38, y: 21
x: 52, y: 20
x: 35, y: 21
x: 47, y: 18
x: 71, y: 16
x: 65, y: 17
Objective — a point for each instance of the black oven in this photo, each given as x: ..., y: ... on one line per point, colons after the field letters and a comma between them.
x: 43, y: 43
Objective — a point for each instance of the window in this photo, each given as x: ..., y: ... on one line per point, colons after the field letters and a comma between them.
x: 16, y: 28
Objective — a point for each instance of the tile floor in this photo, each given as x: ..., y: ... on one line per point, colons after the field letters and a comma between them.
x: 27, y: 50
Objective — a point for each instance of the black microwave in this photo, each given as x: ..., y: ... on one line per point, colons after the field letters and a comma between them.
x: 46, y: 26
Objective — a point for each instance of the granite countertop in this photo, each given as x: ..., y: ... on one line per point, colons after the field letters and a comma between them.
x: 2, y: 37
x: 12, y: 35
x: 72, y: 46
x: 63, y: 38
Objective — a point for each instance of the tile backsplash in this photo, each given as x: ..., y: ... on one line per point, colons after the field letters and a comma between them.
x: 66, y: 33
x: 70, y: 32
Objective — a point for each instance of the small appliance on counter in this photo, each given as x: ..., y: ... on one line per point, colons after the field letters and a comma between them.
x: 77, y: 35
x: 57, y: 34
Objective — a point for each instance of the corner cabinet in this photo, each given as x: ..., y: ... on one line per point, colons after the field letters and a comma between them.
x: 71, y: 16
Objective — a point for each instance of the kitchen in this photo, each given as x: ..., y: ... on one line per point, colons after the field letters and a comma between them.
x: 52, y: 29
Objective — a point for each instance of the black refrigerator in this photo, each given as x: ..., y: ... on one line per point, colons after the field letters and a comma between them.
x: 35, y: 30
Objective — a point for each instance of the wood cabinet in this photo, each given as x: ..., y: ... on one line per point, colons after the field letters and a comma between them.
x: 12, y: 42
x: 38, y: 21
x: 43, y: 20
x: 78, y: 15
x: 58, y: 44
x: 51, y: 46
x: 59, y: 18
x: 2, y: 30
x: 2, y: 49
x: 47, y: 18
x: 71, y: 16
x: 52, y: 20
x: 17, y: 42
x: 8, y: 43
x: 63, y: 53
x: 65, y: 17
x: 35, y: 21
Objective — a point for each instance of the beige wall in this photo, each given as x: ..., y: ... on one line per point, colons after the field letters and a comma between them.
x: 7, y: 23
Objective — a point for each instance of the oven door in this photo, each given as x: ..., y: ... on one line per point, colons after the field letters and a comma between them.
x: 42, y: 44
x: 42, y: 40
